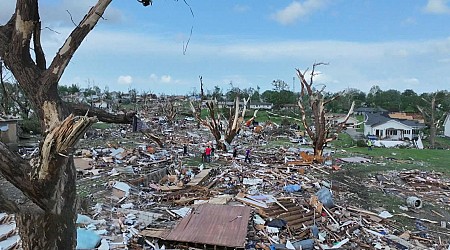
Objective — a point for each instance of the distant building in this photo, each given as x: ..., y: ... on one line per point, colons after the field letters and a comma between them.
x: 223, y: 104
x: 447, y: 125
x: 368, y: 110
x: 407, y: 116
x: 384, y: 127
x: 289, y: 106
x: 8, y: 129
x: 335, y: 119
x: 261, y: 105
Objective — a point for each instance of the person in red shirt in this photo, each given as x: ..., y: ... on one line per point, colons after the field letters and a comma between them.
x: 208, y: 154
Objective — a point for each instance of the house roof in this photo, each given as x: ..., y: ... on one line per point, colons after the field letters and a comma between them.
x: 370, y: 110
x: 376, y: 119
x: 221, y: 225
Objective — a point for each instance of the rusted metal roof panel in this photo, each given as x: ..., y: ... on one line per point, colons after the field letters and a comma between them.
x: 220, y: 225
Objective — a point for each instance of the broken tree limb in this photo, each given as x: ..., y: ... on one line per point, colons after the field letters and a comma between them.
x: 102, y: 115
x: 13, y: 200
x: 214, y: 123
x: 60, y: 141
x: 16, y: 170
x: 153, y: 137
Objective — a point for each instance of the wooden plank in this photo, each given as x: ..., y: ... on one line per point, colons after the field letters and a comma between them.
x: 252, y: 202
x: 170, y: 188
x: 199, y: 177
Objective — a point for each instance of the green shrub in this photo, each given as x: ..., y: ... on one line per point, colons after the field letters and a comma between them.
x: 361, y: 143
x: 30, y: 125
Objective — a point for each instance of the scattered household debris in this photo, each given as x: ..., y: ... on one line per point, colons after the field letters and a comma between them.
x: 141, y: 196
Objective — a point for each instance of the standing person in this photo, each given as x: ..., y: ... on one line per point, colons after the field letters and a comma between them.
x: 234, y: 152
x: 184, y: 149
x: 203, y: 152
x: 369, y: 144
x: 247, y: 156
x: 208, y: 154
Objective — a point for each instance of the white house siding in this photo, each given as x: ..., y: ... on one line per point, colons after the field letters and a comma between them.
x: 393, y: 130
x: 447, y: 126
x: 261, y: 106
x: 367, y: 130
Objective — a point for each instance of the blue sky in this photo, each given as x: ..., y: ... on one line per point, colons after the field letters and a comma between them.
x: 401, y: 44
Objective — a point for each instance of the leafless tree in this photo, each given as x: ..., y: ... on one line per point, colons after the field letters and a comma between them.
x: 223, y: 130
x: 169, y: 110
x: 433, y: 118
x: 319, y: 130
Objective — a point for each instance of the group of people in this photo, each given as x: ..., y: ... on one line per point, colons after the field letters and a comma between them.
x: 207, y: 153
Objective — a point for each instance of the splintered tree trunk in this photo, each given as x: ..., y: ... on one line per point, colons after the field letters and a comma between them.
x: 47, y: 181
x: 47, y: 231
x: 318, y: 152
x: 50, y: 230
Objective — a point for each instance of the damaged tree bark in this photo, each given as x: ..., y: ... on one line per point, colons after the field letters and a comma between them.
x: 169, y: 110
x: 432, y: 118
x: 319, y: 130
x: 82, y: 109
x: 223, y: 130
x: 48, y: 180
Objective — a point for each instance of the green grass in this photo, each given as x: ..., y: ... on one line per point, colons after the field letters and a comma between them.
x: 343, y: 141
x: 395, y: 158
x: 360, y: 119
x: 280, y: 142
x: 442, y: 142
x: 425, y: 159
x: 263, y: 116
x: 101, y: 125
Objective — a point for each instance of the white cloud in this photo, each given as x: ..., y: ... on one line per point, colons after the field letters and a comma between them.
x: 297, y: 10
x: 125, y: 80
x: 437, y: 7
x: 166, y: 78
x: 153, y: 78
x: 412, y: 81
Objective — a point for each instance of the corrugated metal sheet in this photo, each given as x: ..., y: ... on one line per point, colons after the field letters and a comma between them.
x: 220, y: 225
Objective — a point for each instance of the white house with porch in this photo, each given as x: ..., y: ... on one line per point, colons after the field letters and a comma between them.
x: 447, y: 125
x: 386, y: 128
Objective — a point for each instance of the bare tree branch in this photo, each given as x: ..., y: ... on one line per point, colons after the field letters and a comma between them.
x: 66, y: 52
x: 38, y: 51
x: 84, y: 109
x: 18, y: 172
x: 320, y: 130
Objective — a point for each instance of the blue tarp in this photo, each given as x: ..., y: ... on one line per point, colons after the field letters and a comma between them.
x: 292, y: 188
x: 87, y: 239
